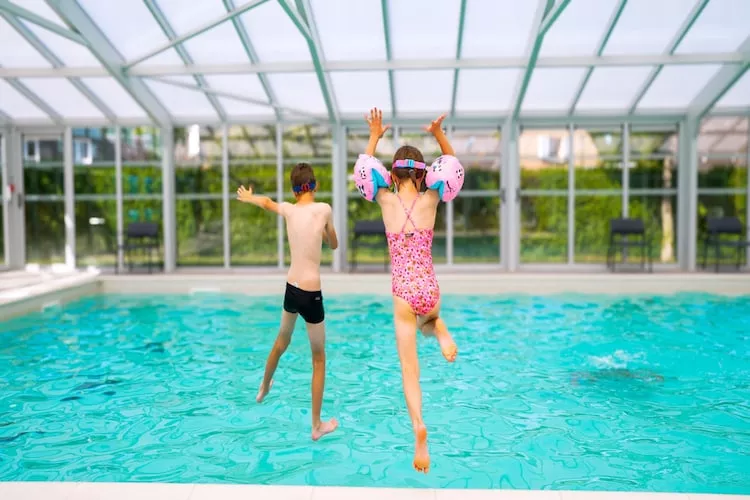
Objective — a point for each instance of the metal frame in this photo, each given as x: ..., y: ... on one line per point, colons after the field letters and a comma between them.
x: 20, y: 12
x: 119, y: 263
x: 280, y: 194
x: 225, y: 216
x: 4, y: 199
x: 459, y: 46
x: 69, y: 194
x: 388, y: 53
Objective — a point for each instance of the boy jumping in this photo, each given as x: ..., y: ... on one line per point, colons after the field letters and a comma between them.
x: 308, y: 224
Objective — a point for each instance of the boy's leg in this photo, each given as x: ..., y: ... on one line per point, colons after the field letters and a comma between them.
x: 317, y: 334
x: 279, y: 347
x: 406, y: 341
x: 433, y: 326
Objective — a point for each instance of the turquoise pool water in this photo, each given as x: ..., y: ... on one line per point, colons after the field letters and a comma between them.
x: 564, y: 392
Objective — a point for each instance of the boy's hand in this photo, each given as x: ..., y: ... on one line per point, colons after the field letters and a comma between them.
x: 375, y: 121
x: 436, y: 125
x: 245, y: 195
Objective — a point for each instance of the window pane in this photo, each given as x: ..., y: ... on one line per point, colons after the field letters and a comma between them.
x: 69, y: 52
x: 96, y: 229
x: 592, y: 215
x: 16, y: 105
x: 579, y: 29
x: 612, y: 88
x: 653, y: 159
x: 721, y: 27
x: 16, y: 52
x: 116, y: 98
x: 552, y: 89
x: 357, y: 91
x: 677, y: 86
x: 646, y: 27
x: 241, y: 85
x: 423, y: 91
x: 63, y: 97
x: 738, y: 96
x: 182, y: 102
x: 298, y: 90
x: 544, y: 229
x: 350, y: 30
x: 659, y: 212
x: 41, y: 8
x: 492, y: 28
x: 410, y: 43
x: 544, y: 159
x: 486, y: 90
x: 476, y: 229
x: 273, y: 34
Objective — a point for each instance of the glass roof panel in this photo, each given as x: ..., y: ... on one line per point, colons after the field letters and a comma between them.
x: 116, y: 98
x: 219, y: 45
x: 738, y: 95
x: 552, y: 89
x: 495, y: 28
x: 70, y: 53
x: 427, y: 91
x: 486, y: 89
x: 16, y: 105
x: 298, y: 90
x: 722, y: 27
x: 16, y: 52
x: 182, y: 102
x: 235, y: 108
x: 647, y: 27
x: 242, y: 85
x: 731, y: 143
x: 273, y: 34
x: 676, y: 86
x: 63, y: 97
x: 579, y: 29
x: 612, y: 88
x: 358, y: 91
x: 350, y: 30
x: 132, y: 30
x: 418, y: 41
x: 41, y: 8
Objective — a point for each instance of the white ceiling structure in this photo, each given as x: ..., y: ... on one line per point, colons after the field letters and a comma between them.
x: 92, y: 62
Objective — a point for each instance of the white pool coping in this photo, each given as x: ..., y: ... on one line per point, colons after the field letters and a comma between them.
x: 162, y: 491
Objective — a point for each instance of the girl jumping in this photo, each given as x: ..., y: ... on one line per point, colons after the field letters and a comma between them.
x: 409, y: 218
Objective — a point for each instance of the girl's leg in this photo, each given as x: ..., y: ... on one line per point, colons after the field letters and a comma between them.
x: 406, y: 340
x: 433, y: 326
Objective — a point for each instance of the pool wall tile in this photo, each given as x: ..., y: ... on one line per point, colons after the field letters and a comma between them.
x: 496, y: 495
x: 343, y: 493
x: 132, y: 491
x: 38, y: 491
x: 250, y: 492
x: 621, y: 495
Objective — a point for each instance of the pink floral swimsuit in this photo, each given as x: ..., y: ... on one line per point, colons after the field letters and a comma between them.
x: 412, y: 273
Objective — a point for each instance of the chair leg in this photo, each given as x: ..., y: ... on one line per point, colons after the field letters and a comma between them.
x: 716, y: 256
x: 705, y: 254
x: 353, y: 265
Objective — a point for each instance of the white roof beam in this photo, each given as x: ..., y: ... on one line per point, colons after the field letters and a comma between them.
x: 459, y: 46
x: 166, y: 27
x: 305, y: 23
x: 36, y: 100
x: 673, y: 44
x: 57, y: 63
x: 201, y: 29
x: 253, y: 57
x: 27, y: 15
x: 72, y: 13
x: 619, y: 8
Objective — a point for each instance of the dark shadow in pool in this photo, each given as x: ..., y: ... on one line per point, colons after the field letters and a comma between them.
x: 616, y: 374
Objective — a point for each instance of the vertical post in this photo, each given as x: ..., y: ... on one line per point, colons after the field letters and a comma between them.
x: 505, y: 147
x: 625, y: 169
x: 511, y: 189
x: 571, y: 194
x: 449, y: 220
x: 225, y: 195
x: 340, y: 196
x: 747, y: 197
x: 687, y: 201
x: 16, y: 231
x: 118, y: 196
x: 280, y: 193
x: 5, y: 194
x: 168, y: 199
x: 69, y: 196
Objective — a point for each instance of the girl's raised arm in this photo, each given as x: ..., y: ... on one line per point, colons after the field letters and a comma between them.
x: 377, y: 129
x: 436, y: 129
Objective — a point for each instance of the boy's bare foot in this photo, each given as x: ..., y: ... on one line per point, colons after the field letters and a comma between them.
x: 263, y: 391
x: 421, y: 454
x: 324, y: 428
x: 447, y: 346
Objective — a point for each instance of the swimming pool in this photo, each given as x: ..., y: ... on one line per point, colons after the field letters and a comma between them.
x: 558, y: 392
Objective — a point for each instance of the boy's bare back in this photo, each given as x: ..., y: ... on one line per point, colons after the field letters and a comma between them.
x: 305, y: 224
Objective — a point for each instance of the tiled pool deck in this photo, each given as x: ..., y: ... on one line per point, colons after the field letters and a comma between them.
x: 159, y: 491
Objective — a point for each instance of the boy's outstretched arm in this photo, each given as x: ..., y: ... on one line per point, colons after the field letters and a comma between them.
x: 436, y: 129
x: 329, y: 232
x: 264, y: 202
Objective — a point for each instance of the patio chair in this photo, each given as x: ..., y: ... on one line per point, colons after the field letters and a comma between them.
x: 628, y: 233
x: 142, y: 236
x: 719, y: 233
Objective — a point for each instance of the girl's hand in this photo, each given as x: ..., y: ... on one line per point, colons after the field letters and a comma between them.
x: 436, y: 125
x: 375, y: 121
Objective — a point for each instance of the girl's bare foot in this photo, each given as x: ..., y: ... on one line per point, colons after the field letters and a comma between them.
x: 324, y: 428
x: 421, y: 454
x: 447, y: 346
x: 263, y: 391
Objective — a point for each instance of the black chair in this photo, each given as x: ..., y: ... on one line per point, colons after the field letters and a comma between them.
x: 628, y: 233
x: 142, y: 236
x: 716, y: 229
x: 368, y: 228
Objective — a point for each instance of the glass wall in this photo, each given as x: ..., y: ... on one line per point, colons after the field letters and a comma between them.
x: 95, y: 199
x: 142, y: 179
x: 198, y: 193
x: 42, y: 158
x: 252, y: 162
x: 543, y: 156
x: 722, y: 174
x: 2, y: 200
x: 597, y: 189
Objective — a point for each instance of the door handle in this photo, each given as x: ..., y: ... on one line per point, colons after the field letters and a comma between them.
x: 20, y: 200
